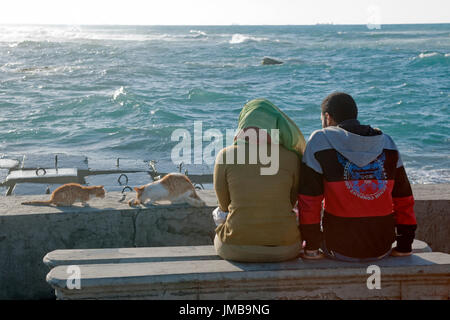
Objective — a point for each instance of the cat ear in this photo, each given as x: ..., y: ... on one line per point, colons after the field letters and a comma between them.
x: 136, y: 189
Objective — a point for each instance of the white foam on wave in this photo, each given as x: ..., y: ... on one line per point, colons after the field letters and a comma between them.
x: 22, y: 35
x: 152, y: 112
x: 19, y: 34
x: 117, y: 93
x: 198, y: 32
x: 428, y: 176
x: 428, y: 55
x: 240, y: 38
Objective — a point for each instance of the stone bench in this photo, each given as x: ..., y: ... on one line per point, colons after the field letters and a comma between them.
x: 195, y: 272
x: 129, y: 255
x: 151, y: 254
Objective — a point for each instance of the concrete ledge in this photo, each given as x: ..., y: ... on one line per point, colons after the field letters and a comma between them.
x: 420, y: 276
x: 27, y: 233
x: 153, y: 254
x: 432, y: 207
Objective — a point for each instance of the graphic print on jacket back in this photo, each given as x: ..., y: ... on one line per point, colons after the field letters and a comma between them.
x: 368, y: 182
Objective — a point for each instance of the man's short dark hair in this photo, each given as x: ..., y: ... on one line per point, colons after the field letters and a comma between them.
x: 340, y: 106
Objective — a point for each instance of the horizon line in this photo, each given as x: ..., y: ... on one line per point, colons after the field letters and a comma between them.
x: 219, y: 25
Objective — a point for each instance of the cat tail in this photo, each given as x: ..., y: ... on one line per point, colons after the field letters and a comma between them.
x: 38, y: 203
x: 195, y: 201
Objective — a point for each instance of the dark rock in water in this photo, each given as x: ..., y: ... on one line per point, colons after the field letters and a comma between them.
x: 269, y: 61
x: 31, y: 69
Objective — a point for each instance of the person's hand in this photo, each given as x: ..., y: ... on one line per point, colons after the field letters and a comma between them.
x: 396, y: 253
x: 312, y: 255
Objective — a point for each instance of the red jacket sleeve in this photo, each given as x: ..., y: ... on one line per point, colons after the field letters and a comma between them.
x: 403, y: 205
x: 310, y: 206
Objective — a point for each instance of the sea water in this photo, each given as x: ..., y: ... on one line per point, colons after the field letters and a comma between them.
x: 120, y: 91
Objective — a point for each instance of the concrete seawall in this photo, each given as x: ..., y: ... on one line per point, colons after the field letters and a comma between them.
x: 27, y: 233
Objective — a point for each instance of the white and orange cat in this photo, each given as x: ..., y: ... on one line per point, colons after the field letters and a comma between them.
x: 70, y: 193
x: 175, y: 187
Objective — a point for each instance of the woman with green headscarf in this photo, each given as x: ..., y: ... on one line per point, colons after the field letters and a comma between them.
x: 256, y: 181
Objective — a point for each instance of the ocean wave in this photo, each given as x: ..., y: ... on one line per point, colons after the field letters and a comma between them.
x: 241, y: 38
x: 200, y: 95
x: 26, y: 36
x: 28, y: 43
x: 10, y: 66
x: 217, y: 65
x: 431, y: 58
x: 119, y: 92
x: 198, y: 34
x: 429, y: 55
x: 47, y: 70
x: 428, y: 176
x: 166, y: 116
x: 29, y: 35
x: 404, y: 84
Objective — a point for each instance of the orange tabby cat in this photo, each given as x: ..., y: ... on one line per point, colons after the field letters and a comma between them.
x: 175, y: 187
x: 68, y: 194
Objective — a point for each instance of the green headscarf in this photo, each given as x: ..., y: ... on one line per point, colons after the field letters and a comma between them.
x: 263, y: 114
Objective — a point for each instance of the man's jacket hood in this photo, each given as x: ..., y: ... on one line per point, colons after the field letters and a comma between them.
x: 359, y: 144
x: 360, y: 150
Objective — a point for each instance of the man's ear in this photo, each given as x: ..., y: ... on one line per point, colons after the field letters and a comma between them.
x: 329, y: 120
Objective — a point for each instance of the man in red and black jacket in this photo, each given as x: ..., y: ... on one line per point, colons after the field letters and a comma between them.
x: 357, y: 172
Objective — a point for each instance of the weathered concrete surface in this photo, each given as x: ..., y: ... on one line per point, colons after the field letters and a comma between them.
x: 420, y: 276
x: 433, y: 215
x: 150, y: 254
x: 129, y: 255
x: 28, y: 233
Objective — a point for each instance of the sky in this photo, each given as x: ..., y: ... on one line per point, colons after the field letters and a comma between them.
x: 223, y: 12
